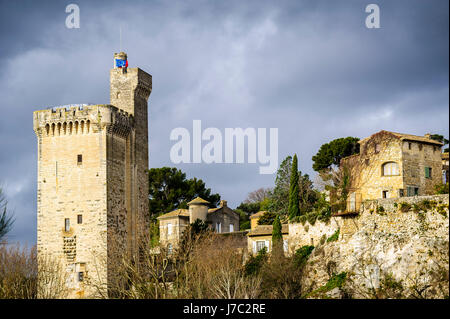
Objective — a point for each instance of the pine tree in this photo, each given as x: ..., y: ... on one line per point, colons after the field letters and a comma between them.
x: 293, y: 209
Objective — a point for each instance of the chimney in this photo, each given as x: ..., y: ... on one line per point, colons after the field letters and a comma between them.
x: 223, y: 203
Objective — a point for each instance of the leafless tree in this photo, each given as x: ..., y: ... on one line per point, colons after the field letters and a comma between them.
x: 258, y: 195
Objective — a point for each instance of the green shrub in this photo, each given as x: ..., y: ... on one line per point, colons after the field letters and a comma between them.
x: 336, y: 281
x: 255, y: 263
x: 267, y: 218
x: 245, y: 225
x: 323, y: 239
x: 425, y: 205
x: 441, y: 188
x: 334, y: 237
x: 302, y: 254
x: 302, y: 219
x: 311, y: 218
x: 442, y: 209
x: 405, y: 207
x: 325, y: 214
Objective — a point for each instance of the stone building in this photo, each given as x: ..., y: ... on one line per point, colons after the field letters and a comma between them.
x: 92, y: 183
x: 172, y: 225
x: 260, y: 236
x: 393, y: 165
x: 445, y: 167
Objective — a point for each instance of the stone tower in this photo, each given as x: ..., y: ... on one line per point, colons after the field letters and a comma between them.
x: 92, y: 203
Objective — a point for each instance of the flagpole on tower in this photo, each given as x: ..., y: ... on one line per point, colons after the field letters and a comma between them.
x: 120, y: 28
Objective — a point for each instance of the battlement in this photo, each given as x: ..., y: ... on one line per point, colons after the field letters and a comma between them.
x: 81, y: 119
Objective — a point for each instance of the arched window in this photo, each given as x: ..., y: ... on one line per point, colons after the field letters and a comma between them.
x: 390, y: 169
x: 47, y: 129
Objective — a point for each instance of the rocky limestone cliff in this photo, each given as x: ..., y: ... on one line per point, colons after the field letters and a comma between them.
x: 395, y: 248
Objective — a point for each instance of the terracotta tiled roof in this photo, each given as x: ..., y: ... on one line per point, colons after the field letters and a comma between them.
x: 407, y: 137
x: 212, y: 210
x: 264, y: 230
x: 175, y: 213
x: 198, y: 200
x: 258, y: 214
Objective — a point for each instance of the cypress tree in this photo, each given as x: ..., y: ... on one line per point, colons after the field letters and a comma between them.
x: 277, y: 236
x: 293, y: 209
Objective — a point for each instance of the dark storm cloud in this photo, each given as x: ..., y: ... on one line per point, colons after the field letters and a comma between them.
x: 310, y: 68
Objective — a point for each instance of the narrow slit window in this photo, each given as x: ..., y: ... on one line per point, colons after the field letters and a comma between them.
x: 80, y: 219
x: 79, y: 159
x: 377, y: 148
x: 67, y: 224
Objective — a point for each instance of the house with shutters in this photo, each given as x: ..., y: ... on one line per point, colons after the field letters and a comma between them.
x: 393, y: 165
x: 260, y: 236
x: 221, y: 219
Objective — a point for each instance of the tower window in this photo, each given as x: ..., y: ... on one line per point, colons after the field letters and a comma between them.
x: 80, y: 219
x: 79, y: 159
x: 80, y: 276
x: 409, y: 146
x: 67, y: 224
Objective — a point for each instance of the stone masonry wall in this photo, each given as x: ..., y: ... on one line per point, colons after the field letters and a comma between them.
x: 67, y: 188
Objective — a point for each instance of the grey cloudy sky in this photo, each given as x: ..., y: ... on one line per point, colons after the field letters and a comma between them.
x: 310, y: 68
